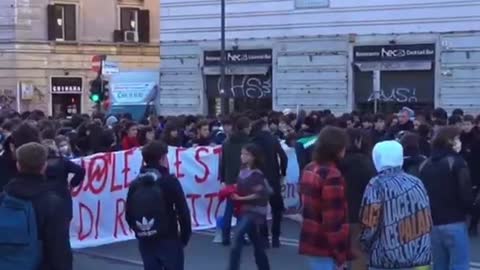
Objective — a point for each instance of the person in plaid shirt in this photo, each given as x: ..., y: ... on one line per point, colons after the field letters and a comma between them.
x: 325, y: 232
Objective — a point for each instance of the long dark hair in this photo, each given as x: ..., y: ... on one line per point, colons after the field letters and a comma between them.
x: 257, y: 154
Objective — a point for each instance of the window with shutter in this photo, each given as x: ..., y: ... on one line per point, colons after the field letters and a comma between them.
x: 62, y: 22
x: 129, y: 23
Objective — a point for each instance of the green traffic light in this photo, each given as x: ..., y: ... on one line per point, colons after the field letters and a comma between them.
x: 95, y: 98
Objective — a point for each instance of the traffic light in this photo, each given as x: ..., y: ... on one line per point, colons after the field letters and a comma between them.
x: 95, y: 89
x: 98, y: 90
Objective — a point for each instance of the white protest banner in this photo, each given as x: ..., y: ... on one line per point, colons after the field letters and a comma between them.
x: 99, y: 203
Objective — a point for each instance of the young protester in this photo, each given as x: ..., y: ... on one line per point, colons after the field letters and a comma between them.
x: 157, y: 211
x: 130, y: 139
x: 22, y: 134
x: 59, y: 168
x: 275, y: 170
x: 392, y: 203
x: 357, y: 169
x: 447, y: 179
x: 252, y: 194
x: 412, y: 158
x: 145, y: 135
x: 33, y: 215
x: 230, y: 164
x: 202, y: 135
x: 325, y: 235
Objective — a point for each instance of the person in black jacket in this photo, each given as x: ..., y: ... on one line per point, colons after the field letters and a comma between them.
x: 412, y: 158
x: 230, y: 167
x: 30, y: 184
x: 447, y: 180
x: 470, y: 138
x: 357, y: 168
x: 274, y: 171
x: 58, y: 170
x: 21, y: 135
x: 165, y: 251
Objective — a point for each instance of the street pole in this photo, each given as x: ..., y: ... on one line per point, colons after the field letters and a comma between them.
x: 223, y: 94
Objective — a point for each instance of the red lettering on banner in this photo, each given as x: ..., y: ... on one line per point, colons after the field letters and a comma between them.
x: 193, y: 198
x: 119, y: 214
x: 210, y: 197
x: 81, y: 234
x: 114, y: 186
x: 218, y: 152
x: 98, y: 173
x: 178, y: 162
x: 205, y: 167
x: 97, y: 222
x: 126, y: 168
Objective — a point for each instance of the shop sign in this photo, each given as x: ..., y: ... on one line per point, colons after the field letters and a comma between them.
x: 395, y: 52
x: 69, y: 85
x: 239, y: 57
x: 133, y: 92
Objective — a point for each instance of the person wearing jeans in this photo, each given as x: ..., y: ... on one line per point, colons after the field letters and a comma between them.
x: 227, y: 222
x: 447, y: 179
x: 246, y: 225
x: 450, y: 245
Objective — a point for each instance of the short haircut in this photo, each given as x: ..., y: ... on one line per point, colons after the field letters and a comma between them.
x: 25, y: 133
x: 31, y: 157
x: 454, y: 119
x: 444, y: 136
x: 242, y: 123
x: 331, y: 141
x: 469, y: 118
x: 411, y: 144
x: 154, y: 151
x: 202, y: 123
x: 258, y: 125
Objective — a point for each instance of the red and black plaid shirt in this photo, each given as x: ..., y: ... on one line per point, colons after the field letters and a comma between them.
x: 325, y: 231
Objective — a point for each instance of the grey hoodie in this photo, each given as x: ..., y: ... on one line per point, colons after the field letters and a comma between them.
x: 395, y: 214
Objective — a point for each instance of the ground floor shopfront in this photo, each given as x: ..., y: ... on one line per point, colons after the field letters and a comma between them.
x: 55, y: 78
x: 340, y: 73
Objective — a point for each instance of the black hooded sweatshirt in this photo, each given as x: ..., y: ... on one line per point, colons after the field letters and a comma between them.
x: 179, y: 219
x: 230, y: 160
x: 52, y: 226
x: 272, y: 154
x: 448, y: 185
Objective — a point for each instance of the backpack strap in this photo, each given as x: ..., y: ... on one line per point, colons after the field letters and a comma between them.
x: 423, y: 164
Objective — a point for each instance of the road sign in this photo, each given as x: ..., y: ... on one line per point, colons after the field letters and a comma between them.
x: 109, y: 68
x: 97, y: 63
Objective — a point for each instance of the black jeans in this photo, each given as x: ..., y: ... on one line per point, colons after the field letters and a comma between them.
x: 246, y: 225
x: 277, y: 206
x: 162, y: 255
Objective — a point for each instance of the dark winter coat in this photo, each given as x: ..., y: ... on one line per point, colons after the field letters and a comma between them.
x: 52, y: 225
x: 357, y: 169
x: 230, y: 159
x: 447, y: 179
x: 274, y: 157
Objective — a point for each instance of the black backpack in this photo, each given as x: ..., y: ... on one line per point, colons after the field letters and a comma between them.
x: 146, y: 207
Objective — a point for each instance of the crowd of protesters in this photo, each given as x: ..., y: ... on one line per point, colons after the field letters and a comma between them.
x: 438, y: 155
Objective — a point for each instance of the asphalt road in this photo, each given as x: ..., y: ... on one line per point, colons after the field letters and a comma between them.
x: 203, y: 254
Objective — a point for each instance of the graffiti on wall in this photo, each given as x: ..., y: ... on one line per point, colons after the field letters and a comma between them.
x: 7, y: 100
x: 400, y: 95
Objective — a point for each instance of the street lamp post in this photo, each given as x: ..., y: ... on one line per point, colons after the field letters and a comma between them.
x: 223, y: 95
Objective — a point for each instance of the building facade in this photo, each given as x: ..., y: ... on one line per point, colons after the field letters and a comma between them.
x: 318, y: 54
x: 46, y: 48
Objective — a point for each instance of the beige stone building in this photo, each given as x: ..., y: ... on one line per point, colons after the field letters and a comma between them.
x: 46, y: 48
